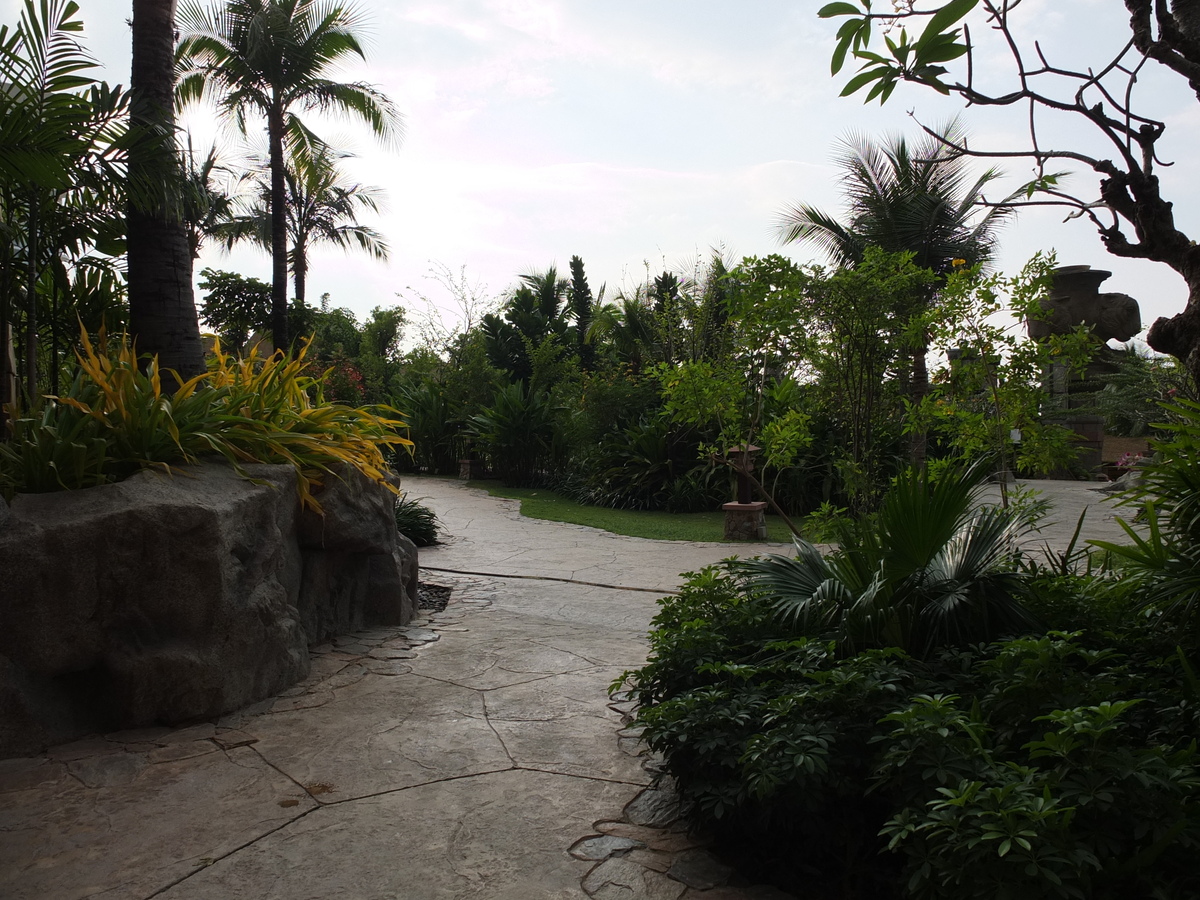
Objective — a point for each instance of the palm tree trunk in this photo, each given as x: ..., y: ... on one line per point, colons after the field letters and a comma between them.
x: 300, y: 267
x: 31, y: 367
x: 279, y: 266
x: 162, y: 307
x: 8, y: 358
x: 918, y: 388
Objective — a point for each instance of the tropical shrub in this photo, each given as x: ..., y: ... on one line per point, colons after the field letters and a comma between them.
x: 1036, y: 767
x: 248, y: 410
x: 517, y: 431
x: 844, y: 747
x: 1163, y: 566
x: 432, y: 428
x: 931, y: 568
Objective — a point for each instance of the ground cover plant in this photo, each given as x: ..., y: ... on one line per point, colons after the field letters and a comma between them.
x: 936, y: 717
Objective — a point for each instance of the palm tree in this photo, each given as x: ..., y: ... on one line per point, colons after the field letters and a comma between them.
x: 265, y: 59
x: 320, y: 208
x: 64, y: 146
x: 162, y: 307
x: 628, y: 325
x: 208, y: 200
x: 535, y: 313
x: 906, y: 198
x: 903, y: 197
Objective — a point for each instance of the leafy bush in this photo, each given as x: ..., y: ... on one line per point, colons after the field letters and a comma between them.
x: 517, y: 431
x: 117, y: 418
x: 1164, y: 565
x: 848, y: 742
x: 417, y: 522
x: 930, y: 569
x: 1031, y: 768
x: 431, y: 427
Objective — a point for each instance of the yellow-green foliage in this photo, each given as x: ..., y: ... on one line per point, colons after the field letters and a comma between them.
x: 116, y: 418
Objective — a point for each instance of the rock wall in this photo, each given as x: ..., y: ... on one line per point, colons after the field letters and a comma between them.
x: 166, y: 598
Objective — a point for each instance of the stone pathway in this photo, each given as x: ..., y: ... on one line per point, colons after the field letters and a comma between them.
x: 473, y: 754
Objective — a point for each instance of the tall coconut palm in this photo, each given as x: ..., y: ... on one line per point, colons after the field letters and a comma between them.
x: 266, y: 59
x: 321, y: 208
x: 906, y: 197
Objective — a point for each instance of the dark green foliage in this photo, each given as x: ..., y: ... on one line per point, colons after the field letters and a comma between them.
x: 633, y: 467
x: 533, y: 317
x: 582, y: 306
x: 1163, y: 566
x: 931, y: 569
x: 1033, y: 768
x: 1130, y: 397
x: 417, y: 522
x: 1046, y: 764
x: 517, y: 432
x: 234, y: 306
x: 431, y: 427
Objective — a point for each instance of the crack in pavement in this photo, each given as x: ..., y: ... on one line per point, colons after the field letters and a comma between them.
x: 216, y: 859
x: 487, y: 718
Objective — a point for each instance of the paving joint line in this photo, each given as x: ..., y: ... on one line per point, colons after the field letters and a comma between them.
x: 611, y: 587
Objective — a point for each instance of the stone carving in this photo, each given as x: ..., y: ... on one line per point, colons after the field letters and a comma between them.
x: 167, y: 598
x: 1075, y: 299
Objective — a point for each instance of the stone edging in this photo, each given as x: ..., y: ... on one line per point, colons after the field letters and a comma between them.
x: 650, y: 853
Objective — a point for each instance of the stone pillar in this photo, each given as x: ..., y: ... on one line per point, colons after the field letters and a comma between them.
x: 745, y: 521
x: 470, y: 469
x: 1074, y: 300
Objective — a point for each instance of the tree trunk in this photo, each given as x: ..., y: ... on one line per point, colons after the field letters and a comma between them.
x: 279, y: 254
x: 162, y: 308
x: 918, y: 389
x: 31, y: 328
x: 1179, y: 335
x: 300, y: 265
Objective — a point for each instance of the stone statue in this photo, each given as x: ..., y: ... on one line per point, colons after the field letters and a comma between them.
x: 1075, y: 299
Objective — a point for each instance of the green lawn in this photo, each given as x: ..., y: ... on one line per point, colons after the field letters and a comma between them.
x: 539, y: 503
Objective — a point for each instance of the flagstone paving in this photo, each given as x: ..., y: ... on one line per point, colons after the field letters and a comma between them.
x: 472, y: 754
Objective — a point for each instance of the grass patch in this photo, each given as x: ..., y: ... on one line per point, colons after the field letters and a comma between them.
x: 539, y: 503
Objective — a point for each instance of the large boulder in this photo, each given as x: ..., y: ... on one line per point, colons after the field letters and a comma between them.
x: 358, y: 569
x: 167, y: 598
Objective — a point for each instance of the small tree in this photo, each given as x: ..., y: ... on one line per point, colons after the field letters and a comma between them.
x: 234, y: 306
x: 992, y: 398
x: 1129, y: 211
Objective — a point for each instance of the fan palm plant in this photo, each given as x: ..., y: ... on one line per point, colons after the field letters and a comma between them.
x: 933, y: 569
x: 266, y: 59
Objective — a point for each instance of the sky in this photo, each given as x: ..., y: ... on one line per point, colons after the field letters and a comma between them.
x: 642, y: 134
